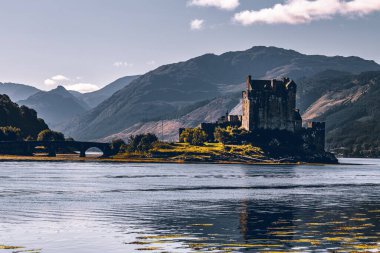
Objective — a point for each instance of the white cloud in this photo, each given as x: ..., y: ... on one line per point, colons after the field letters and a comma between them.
x: 82, y: 87
x: 60, y: 78
x: 49, y: 82
x: 305, y: 11
x: 197, y: 24
x: 52, y: 81
x: 221, y: 4
x: 125, y: 64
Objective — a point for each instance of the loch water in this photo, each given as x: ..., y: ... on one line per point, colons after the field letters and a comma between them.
x: 104, y: 207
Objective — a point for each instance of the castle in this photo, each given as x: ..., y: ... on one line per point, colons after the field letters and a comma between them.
x: 270, y: 105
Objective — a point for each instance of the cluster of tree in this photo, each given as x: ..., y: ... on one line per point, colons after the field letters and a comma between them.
x: 139, y: 143
x: 193, y: 136
x: 10, y: 133
x: 20, y: 117
x: 229, y: 135
x: 49, y: 135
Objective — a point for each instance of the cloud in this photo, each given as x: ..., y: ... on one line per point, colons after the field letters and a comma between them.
x: 305, y: 11
x: 120, y: 64
x: 197, y: 24
x: 82, y: 87
x: 221, y: 4
x: 55, y: 79
x: 49, y: 82
x: 60, y: 78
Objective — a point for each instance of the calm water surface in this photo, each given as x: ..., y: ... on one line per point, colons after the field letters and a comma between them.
x: 97, y: 207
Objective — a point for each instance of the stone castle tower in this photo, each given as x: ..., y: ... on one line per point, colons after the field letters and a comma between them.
x: 270, y: 104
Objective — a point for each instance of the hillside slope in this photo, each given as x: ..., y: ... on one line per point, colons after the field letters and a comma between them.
x: 96, y: 97
x: 170, y: 88
x: 351, y: 109
x: 55, y: 106
x: 168, y: 129
x: 17, y: 91
x: 22, y: 117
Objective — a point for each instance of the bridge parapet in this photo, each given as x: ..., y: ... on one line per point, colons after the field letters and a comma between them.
x: 28, y: 147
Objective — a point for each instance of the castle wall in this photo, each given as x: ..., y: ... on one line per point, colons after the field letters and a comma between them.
x: 270, y: 105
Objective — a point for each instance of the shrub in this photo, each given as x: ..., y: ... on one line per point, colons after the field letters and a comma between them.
x: 49, y: 135
x: 193, y: 136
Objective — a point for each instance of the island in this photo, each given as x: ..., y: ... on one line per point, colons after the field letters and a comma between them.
x: 269, y: 131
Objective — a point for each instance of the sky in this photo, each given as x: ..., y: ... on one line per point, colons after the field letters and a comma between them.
x: 86, y: 44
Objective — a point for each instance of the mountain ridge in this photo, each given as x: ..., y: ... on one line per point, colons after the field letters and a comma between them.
x: 173, y: 86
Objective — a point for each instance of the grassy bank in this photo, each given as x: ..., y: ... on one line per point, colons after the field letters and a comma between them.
x: 174, y: 153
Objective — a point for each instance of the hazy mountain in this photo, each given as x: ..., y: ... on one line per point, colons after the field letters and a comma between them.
x: 167, y: 90
x: 17, y: 91
x: 351, y: 109
x: 55, y: 106
x: 95, y: 98
x: 21, y: 117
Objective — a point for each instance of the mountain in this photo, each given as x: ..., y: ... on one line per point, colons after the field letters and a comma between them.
x: 55, y: 106
x: 208, y: 111
x: 22, y: 117
x: 95, y: 98
x: 351, y: 109
x: 164, y: 92
x: 17, y: 91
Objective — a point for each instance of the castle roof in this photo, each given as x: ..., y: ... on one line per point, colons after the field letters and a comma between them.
x: 274, y: 84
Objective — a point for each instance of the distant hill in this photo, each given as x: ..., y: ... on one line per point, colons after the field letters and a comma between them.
x: 169, y: 89
x: 95, y: 98
x: 351, y: 109
x: 55, y: 106
x: 11, y: 114
x: 17, y: 91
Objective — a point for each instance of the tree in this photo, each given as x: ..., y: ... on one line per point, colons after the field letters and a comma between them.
x: 49, y: 135
x: 146, y: 142
x: 10, y: 133
x: 117, y: 144
x: 193, y: 136
x: 221, y: 135
x: 141, y: 142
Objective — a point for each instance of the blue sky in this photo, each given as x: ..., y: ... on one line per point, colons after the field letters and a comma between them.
x: 84, y: 44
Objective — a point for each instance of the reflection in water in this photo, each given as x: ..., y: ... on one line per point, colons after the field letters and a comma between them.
x: 79, y: 207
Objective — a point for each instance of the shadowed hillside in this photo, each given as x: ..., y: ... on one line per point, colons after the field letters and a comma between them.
x: 351, y: 109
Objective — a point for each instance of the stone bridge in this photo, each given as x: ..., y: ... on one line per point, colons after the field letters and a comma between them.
x: 28, y: 147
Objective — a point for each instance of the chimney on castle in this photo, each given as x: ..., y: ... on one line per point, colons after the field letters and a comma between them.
x: 248, y: 82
